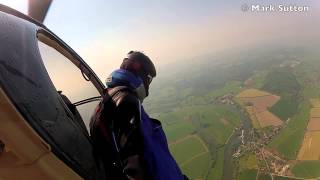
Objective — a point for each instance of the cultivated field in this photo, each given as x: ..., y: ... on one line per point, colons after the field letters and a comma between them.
x: 248, y: 174
x: 286, y: 107
x: 314, y: 124
x: 192, y: 155
x: 310, y: 149
x: 253, y: 117
x: 248, y: 161
x: 315, y: 112
x: 315, y: 102
x: 289, y: 140
x: 268, y: 119
x: 257, y: 103
x: 217, y: 171
x: 198, y: 167
x: 192, y: 143
x: 261, y: 103
x: 251, y: 93
x: 216, y: 122
x: 190, y: 103
x: 177, y: 130
x: 307, y: 169
x: 194, y: 134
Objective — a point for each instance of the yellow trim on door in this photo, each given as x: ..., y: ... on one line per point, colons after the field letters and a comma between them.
x: 26, y: 155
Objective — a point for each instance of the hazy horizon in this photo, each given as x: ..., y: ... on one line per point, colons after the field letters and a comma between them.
x: 238, y: 83
x: 169, y: 31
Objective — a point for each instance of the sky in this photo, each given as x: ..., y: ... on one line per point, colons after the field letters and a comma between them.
x: 103, y: 31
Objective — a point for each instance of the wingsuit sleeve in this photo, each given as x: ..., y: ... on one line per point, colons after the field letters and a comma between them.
x: 128, y: 135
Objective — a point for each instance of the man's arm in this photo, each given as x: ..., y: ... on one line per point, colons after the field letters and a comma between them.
x: 128, y: 137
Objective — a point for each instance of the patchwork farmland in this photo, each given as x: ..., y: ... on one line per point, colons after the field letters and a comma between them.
x: 197, y: 136
x: 314, y: 124
x: 196, y: 160
x: 310, y: 148
x: 257, y: 103
x: 254, y: 117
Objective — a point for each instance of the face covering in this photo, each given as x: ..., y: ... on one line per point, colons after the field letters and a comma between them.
x: 141, y: 92
x: 123, y: 77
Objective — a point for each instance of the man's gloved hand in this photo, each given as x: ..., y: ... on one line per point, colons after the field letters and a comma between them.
x: 133, y: 168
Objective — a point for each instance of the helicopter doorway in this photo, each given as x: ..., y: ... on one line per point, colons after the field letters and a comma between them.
x: 70, y: 79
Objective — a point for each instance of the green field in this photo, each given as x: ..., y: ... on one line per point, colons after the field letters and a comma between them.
x: 178, y: 130
x: 175, y: 125
x: 220, y: 135
x: 186, y: 102
x: 198, y: 167
x: 186, y: 149
x: 229, y: 87
x: 216, y: 121
x: 248, y: 174
x: 264, y: 177
x: 283, y: 82
x: 217, y: 171
x: 213, y: 123
x: 307, y: 169
x: 248, y: 161
x: 287, y: 143
x: 286, y: 107
x: 193, y: 101
x: 258, y: 79
x: 283, y: 178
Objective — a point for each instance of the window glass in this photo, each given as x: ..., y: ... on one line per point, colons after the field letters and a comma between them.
x: 68, y: 78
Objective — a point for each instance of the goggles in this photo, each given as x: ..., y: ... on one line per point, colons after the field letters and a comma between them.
x: 149, y: 78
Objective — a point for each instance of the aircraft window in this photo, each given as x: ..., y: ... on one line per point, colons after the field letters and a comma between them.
x: 68, y: 79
